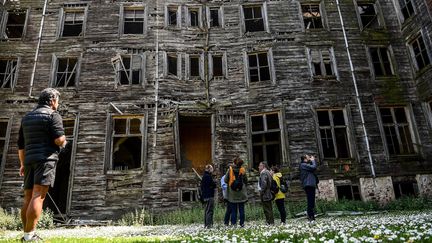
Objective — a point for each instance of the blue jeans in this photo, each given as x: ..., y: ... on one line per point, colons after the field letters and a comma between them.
x: 227, y: 213
x: 234, y: 207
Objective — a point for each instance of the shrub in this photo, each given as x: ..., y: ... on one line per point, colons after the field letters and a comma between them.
x: 136, y: 218
x: 12, y: 220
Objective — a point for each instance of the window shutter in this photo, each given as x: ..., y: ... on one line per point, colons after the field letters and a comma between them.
x: 242, y: 21
x: 333, y: 64
x: 60, y: 23
x: 54, y: 65
x: 265, y: 19
x: 201, y: 66
x: 271, y: 66
x: 143, y: 69
x: 221, y: 17
x: 165, y: 59
x: 78, y: 70
x: 121, y: 20
x: 179, y: 66
x: 207, y: 12
x: 225, y: 65
x: 84, y: 22
x: 246, y: 67
x: 179, y: 17
x: 187, y: 67
x: 15, y: 75
x: 166, y: 16
x: 309, y: 57
x: 25, y: 23
x: 210, y: 66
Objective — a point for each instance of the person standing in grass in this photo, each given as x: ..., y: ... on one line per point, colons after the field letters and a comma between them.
x: 280, y: 196
x: 208, y: 186
x: 41, y: 136
x: 308, y: 180
x: 265, y: 181
x: 224, y: 187
x: 237, y: 192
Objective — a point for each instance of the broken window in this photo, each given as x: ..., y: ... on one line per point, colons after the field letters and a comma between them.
x: 172, y: 16
x: 195, y: 142
x: 188, y: 195
x: 8, y: 73
x: 259, y: 68
x: 311, y: 16
x: 333, y: 134
x: 194, y: 66
x: 348, y: 192
x: 172, y: 64
x: 381, y: 61
x: 3, y: 142
x: 59, y: 192
x: 368, y: 15
x: 214, y: 17
x: 217, y: 66
x: 127, y: 142
x: 253, y: 18
x: 66, y: 72
x: 266, y: 139
x: 15, y: 24
x: 73, y: 22
x: 405, y: 189
x: 396, y: 131
x: 407, y: 8
x: 419, y: 52
x: 322, y: 62
x: 194, y: 17
x: 133, y: 21
x: 130, y: 69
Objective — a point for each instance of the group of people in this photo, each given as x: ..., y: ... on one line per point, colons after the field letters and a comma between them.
x: 234, y: 191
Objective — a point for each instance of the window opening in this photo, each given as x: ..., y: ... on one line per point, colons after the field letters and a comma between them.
x: 333, y: 133
x: 381, y: 61
x: 133, y: 21
x: 311, y: 16
x: 172, y: 64
x: 8, y: 72
x: 404, y: 189
x: 194, y: 17
x: 189, y: 195
x: 214, y: 17
x: 396, y: 131
x: 407, y: 8
x: 73, y: 23
x: 368, y: 15
x: 266, y: 139
x: 194, y: 62
x: 66, y: 72
x: 253, y: 18
x: 127, y: 143
x: 421, y: 57
x: 172, y: 17
x: 217, y: 66
x: 259, y: 69
x: 348, y: 192
x: 15, y: 24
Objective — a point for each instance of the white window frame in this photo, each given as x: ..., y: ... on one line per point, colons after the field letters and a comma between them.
x: 179, y: 64
x: 119, y: 66
x: 322, y: 14
x: 263, y: 13
x: 410, y: 120
x: 200, y: 67
x: 390, y: 58
x: 412, y: 53
x: 270, y: 63
x: 378, y: 13
x: 123, y: 9
x: 333, y: 63
x: 54, y: 67
x: 199, y: 9
x: 14, y: 76
x: 220, y: 16
x: 62, y: 16
x: 224, y: 65
x: 4, y: 20
x: 194, y: 191
x: 399, y: 7
x: 178, y: 17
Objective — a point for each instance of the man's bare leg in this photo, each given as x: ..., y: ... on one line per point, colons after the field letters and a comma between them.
x: 27, y: 198
x: 34, y: 209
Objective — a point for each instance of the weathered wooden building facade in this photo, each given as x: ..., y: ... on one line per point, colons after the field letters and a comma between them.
x: 152, y: 89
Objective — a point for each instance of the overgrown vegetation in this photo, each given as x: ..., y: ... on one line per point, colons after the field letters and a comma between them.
x: 11, y: 219
x: 254, y: 211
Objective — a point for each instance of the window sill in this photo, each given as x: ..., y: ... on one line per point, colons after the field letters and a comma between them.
x: 386, y: 78
x: 320, y: 79
x: 408, y: 22
x: 425, y: 69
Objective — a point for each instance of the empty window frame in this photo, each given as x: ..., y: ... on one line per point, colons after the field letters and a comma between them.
x: 254, y: 18
x: 259, y: 66
x: 66, y: 72
x: 407, y: 8
x: 14, y: 24
x: 72, y: 22
x: 217, y: 65
x: 397, y: 131
x: 172, y: 16
x: 133, y: 20
x: 322, y: 62
x: 381, y: 61
x: 194, y: 65
x: 348, y: 192
x: 215, y: 17
x: 266, y: 136
x: 188, y: 195
x: 130, y: 69
x: 172, y: 65
x: 419, y: 52
x: 127, y: 142
x: 312, y: 17
x: 194, y: 16
x: 333, y: 134
x: 8, y: 73
x: 405, y: 189
x: 4, y: 138
x: 368, y: 15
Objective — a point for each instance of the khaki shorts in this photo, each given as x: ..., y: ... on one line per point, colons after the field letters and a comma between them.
x: 39, y: 174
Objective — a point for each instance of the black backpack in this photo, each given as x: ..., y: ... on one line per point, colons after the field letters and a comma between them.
x: 274, y: 187
x: 283, y: 185
x: 237, y: 184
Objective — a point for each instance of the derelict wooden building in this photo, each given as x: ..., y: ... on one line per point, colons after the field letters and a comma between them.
x: 152, y: 89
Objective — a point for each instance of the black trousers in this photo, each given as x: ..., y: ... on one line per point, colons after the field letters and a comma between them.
x: 208, y: 213
x: 268, y: 211
x: 310, y: 195
x: 280, y: 203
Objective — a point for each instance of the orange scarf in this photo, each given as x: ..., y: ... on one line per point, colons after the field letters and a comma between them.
x: 232, y: 176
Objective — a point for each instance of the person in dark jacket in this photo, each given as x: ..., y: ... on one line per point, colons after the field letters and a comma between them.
x: 237, y: 197
x: 265, y: 181
x: 41, y: 136
x: 308, y: 180
x: 208, y: 186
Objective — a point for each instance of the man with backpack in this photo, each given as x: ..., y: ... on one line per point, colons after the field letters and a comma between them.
x: 266, y: 194
x: 280, y: 195
x: 237, y: 194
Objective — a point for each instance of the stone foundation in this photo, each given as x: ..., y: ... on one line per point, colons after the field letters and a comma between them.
x: 377, y: 189
x: 424, y: 183
x: 327, y: 190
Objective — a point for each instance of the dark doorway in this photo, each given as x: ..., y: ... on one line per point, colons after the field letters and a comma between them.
x: 195, y: 142
x: 59, y: 192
